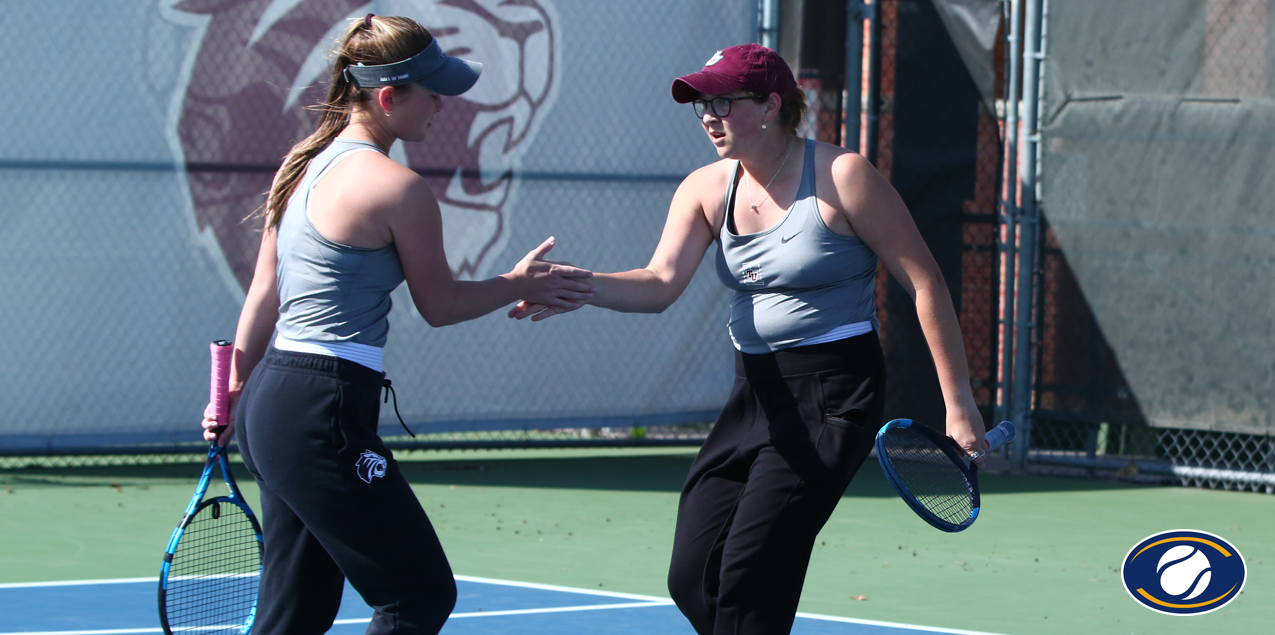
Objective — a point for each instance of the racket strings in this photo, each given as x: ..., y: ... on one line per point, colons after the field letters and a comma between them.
x: 213, y: 578
x: 929, y: 474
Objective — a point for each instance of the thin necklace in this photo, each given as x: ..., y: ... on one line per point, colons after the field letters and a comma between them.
x: 766, y: 189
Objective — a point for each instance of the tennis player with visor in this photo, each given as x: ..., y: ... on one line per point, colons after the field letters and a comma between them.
x: 801, y: 227
x: 344, y: 226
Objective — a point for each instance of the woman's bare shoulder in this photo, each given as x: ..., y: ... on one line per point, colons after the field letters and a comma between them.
x: 383, y: 182
x: 839, y: 161
x: 709, y: 181
x: 845, y: 175
x: 379, y: 169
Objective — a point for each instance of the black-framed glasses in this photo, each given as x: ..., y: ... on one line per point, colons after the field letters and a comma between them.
x: 719, y: 105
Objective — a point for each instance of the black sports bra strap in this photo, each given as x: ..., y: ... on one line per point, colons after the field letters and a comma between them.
x: 731, y: 191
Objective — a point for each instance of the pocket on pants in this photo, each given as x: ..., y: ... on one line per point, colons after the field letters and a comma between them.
x: 355, y: 416
x: 846, y: 430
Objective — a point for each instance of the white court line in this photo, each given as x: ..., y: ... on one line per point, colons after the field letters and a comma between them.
x: 557, y: 609
x: 564, y: 589
x: 851, y: 620
x: 365, y: 620
x: 24, y: 585
x: 117, y: 631
x: 646, y: 600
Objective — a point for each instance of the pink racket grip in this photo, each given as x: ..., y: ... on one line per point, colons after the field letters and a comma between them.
x: 222, y: 351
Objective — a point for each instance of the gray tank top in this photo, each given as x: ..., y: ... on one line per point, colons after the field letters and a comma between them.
x: 329, y: 292
x: 796, y: 280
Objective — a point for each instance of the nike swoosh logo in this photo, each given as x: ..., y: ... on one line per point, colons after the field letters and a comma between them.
x: 785, y: 240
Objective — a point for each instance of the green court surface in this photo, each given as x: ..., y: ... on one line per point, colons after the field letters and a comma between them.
x: 1043, y: 558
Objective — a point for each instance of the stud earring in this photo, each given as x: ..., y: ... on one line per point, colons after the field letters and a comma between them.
x: 763, y: 126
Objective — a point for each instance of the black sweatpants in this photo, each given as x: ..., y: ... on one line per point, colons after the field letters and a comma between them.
x: 334, y: 503
x: 797, y: 426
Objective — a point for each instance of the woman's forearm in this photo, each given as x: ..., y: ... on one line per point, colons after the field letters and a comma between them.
x: 259, y: 314
x: 442, y: 300
x: 634, y: 291
x: 942, y: 332
x: 471, y: 299
x: 252, y: 337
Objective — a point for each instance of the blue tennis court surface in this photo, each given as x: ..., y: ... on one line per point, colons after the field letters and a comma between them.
x: 121, y: 607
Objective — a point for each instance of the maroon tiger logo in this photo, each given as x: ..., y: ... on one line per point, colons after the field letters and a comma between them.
x: 262, y: 62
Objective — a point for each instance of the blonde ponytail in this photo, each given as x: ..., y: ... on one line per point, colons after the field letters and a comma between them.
x: 370, y: 41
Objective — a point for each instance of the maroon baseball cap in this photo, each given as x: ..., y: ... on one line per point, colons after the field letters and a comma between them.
x: 742, y: 67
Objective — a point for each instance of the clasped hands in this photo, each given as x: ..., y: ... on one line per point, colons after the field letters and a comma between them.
x: 549, y: 287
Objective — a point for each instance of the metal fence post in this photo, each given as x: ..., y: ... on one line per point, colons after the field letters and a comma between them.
x: 768, y: 23
x: 874, y: 84
x: 1009, y: 210
x: 852, y: 104
x: 1028, y: 227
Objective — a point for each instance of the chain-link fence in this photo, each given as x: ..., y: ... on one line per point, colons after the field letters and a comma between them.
x: 126, y: 249
x: 1153, y: 353
x: 404, y: 446
x: 226, y: 88
x: 1139, y: 453
x: 126, y: 242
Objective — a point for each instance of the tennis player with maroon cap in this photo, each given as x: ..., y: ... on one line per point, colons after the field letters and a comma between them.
x: 801, y: 227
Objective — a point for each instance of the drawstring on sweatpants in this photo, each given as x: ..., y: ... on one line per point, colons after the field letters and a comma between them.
x: 389, y: 390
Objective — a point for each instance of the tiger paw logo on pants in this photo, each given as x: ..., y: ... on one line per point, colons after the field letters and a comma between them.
x: 260, y: 64
x: 1183, y: 572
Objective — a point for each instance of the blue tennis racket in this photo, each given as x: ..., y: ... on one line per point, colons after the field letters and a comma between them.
x: 932, y: 473
x: 212, y: 566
